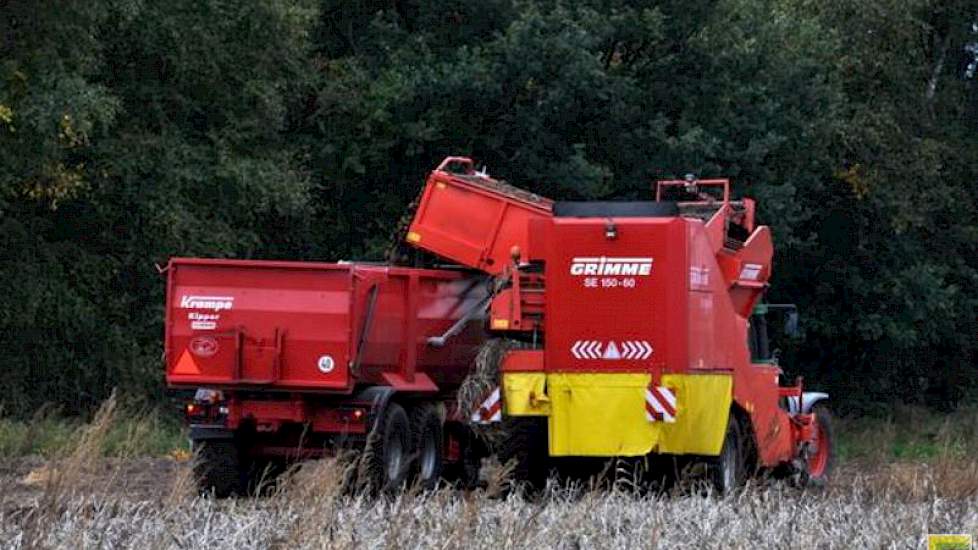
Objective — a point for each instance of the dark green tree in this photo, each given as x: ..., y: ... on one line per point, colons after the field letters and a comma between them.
x: 131, y: 132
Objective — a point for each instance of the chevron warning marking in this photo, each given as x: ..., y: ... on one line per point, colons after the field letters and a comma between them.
x: 630, y: 350
x: 491, y: 409
x: 660, y: 404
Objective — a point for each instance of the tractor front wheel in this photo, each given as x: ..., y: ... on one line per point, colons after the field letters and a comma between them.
x: 819, y: 462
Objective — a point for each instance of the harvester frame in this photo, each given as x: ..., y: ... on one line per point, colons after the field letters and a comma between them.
x: 729, y: 260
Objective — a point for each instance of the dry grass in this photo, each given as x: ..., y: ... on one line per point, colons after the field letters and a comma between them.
x: 83, y: 499
x: 483, y: 378
x: 484, y: 375
x: 311, y: 512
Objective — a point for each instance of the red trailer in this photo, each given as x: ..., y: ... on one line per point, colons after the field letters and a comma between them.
x: 300, y: 359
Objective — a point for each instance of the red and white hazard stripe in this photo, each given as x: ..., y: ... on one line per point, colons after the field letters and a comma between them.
x: 491, y: 409
x: 660, y: 404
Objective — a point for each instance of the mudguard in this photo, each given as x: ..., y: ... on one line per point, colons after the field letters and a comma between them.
x: 809, y: 399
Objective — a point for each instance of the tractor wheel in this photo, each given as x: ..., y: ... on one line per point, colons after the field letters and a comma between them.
x: 217, y: 468
x: 818, y: 466
x: 427, y: 430
x: 525, y: 445
x: 387, y: 454
x: 727, y: 470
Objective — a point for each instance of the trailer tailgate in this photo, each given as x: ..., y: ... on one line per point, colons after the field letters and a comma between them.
x: 258, y: 323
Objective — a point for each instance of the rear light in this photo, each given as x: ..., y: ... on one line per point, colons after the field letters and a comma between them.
x: 352, y: 415
x: 195, y: 412
x: 208, y: 406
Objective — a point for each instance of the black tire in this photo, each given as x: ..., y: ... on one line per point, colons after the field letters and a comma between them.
x: 585, y: 471
x: 387, y: 454
x: 428, y: 462
x: 525, y: 445
x: 726, y: 471
x: 464, y: 473
x: 823, y: 465
x: 217, y: 468
x: 664, y: 471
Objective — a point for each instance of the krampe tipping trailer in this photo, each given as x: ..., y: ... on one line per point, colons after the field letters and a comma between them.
x: 294, y: 360
x: 568, y: 332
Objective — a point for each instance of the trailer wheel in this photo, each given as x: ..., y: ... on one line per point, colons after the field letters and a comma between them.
x: 525, y: 444
x: 217, y: 468
x: 426, y: 425
x: 818, y: 466
x: 263, y: 476
x: 387, y: 454
x: 727, y: 470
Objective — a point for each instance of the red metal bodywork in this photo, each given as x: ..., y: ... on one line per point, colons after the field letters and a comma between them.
x: 620, y: 308
x: 470, y: 218
x: 691, y: 307
x: 322, y: 416
x: 709, y: 268
x: 286, y: 341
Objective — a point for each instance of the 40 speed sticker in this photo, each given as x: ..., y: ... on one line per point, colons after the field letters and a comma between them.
x: 326, y: 364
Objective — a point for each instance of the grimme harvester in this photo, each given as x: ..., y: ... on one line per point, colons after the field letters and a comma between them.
x: 620, y: 329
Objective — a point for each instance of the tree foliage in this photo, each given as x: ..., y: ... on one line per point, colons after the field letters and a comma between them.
x: 133, y: 131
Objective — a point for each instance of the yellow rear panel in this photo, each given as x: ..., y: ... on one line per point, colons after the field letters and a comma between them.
x: 603, y: 414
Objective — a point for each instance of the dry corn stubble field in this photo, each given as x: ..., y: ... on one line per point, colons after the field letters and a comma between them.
x: 81, y: 499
